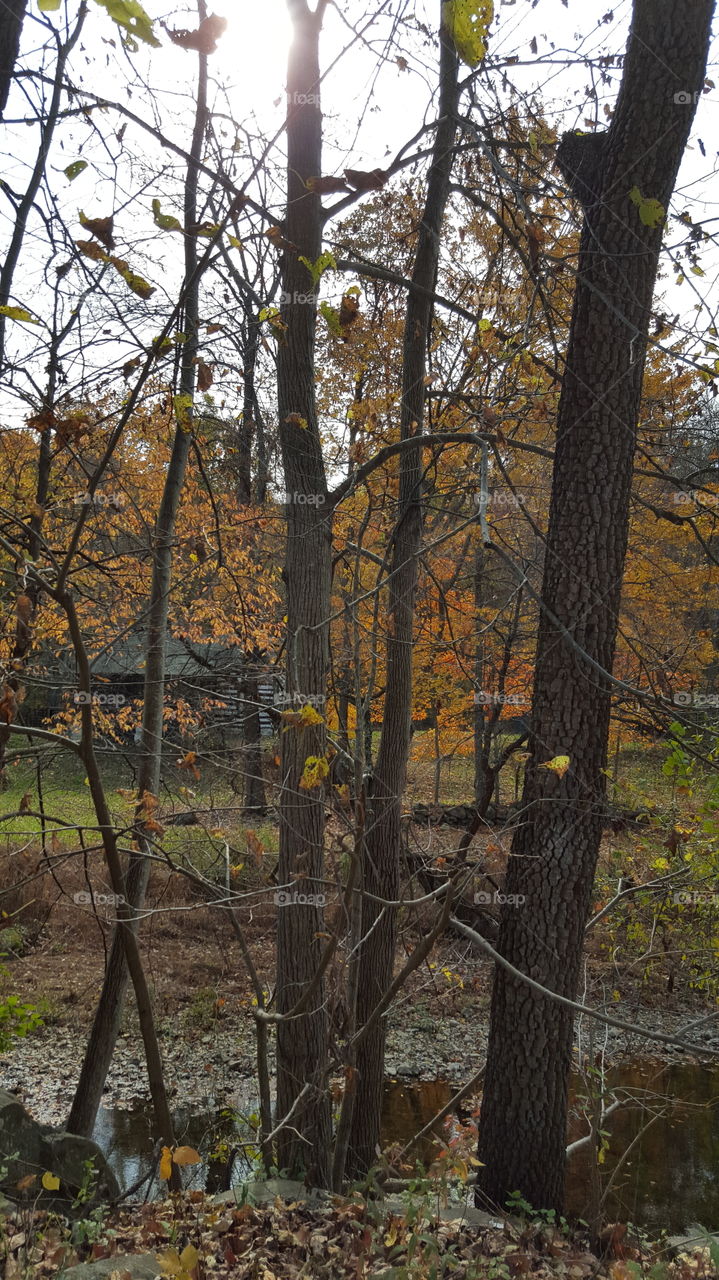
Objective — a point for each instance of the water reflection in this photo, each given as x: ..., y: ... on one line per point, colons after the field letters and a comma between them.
x: 670, y: 1178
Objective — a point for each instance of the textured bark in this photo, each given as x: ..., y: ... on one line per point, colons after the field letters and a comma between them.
x: 304, y: 1144
x: 382, y: 842
x: 12, y: 16
x: 523, y: 1119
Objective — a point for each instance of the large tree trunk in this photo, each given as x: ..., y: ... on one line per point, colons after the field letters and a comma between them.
x: 108, y: 1015
x: 302, y: 1041
x: 382, y: 843
x: 12, y: 16
x: 523, y: 1119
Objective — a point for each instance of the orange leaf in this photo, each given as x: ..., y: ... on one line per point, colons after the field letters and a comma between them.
x: 186, y: 1155
x: 166, y: 1164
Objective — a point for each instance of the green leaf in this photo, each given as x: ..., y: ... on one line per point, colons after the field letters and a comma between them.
x: 183, y: 411
x: 164, y: 221
x: 467, y: 22
x: 74, y: 170
x: 131, y: 16
x: 332, y: 317
x: 651, y: 212
x: 48, y: 6
x: 317, y: 269
x: 18, y: 313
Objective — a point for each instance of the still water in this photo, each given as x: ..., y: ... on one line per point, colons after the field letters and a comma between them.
x: 669, y: 1179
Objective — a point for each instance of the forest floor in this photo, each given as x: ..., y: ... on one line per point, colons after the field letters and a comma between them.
x: 643, y: 966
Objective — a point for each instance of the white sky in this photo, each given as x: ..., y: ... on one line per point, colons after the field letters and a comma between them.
x: 371, y: 107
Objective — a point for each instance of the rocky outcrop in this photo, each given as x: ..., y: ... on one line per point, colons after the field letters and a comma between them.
x: 28, y: 1148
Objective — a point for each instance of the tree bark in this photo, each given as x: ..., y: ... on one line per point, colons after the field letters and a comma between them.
x: 382, y: 843
x: 304, y: 1144
x: 523, y: 1118
x: 12, y: 16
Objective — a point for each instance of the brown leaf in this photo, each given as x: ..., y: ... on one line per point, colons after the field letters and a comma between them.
x: 42, y: 421
x: 361, y: 180
x: 91, y: 250
x: 204, y: 39
x: 205, y: 376
x: 254, y: 846
x: 8, y: 705
x: 100, y: 228
x: 275, y: 236
x: 348, y: 313
x: 24, y: 608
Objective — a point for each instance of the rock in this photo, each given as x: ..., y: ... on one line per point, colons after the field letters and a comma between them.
x: 697, y: 1237
x: 27, y: 1147
x: 267, y: 1192
x: 140, y: 1266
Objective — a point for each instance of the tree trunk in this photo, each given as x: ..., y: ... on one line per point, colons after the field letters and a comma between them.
x: 523, y: 1119
x: 302, y: 1041
x: 12, y: 16
x: 108, y: 1015
x: 255, y: 799
x: 382, y: 844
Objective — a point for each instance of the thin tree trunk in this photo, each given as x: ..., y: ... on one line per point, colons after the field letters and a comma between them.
x: 108, y: 1015
x: 12, y: 16
x: 125, y: 929
x: 524, y: 1109
x: 255, y: 799
x: 382, y: 843
x: 303, y: 1041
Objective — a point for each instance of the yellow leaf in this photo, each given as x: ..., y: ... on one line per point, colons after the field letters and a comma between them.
x: 50, y: 1182
x: 166, y: 1164
x: 558, y: 765
x: 18, y: 313
x: 309, y: 715
x: 170, y: 1264
x: 315, y: 771
x: 651, y: 212
x: 189, y: 1256
x: 467, y: 22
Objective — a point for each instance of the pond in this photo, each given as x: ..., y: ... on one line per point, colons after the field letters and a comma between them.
x: 668, y: 1180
